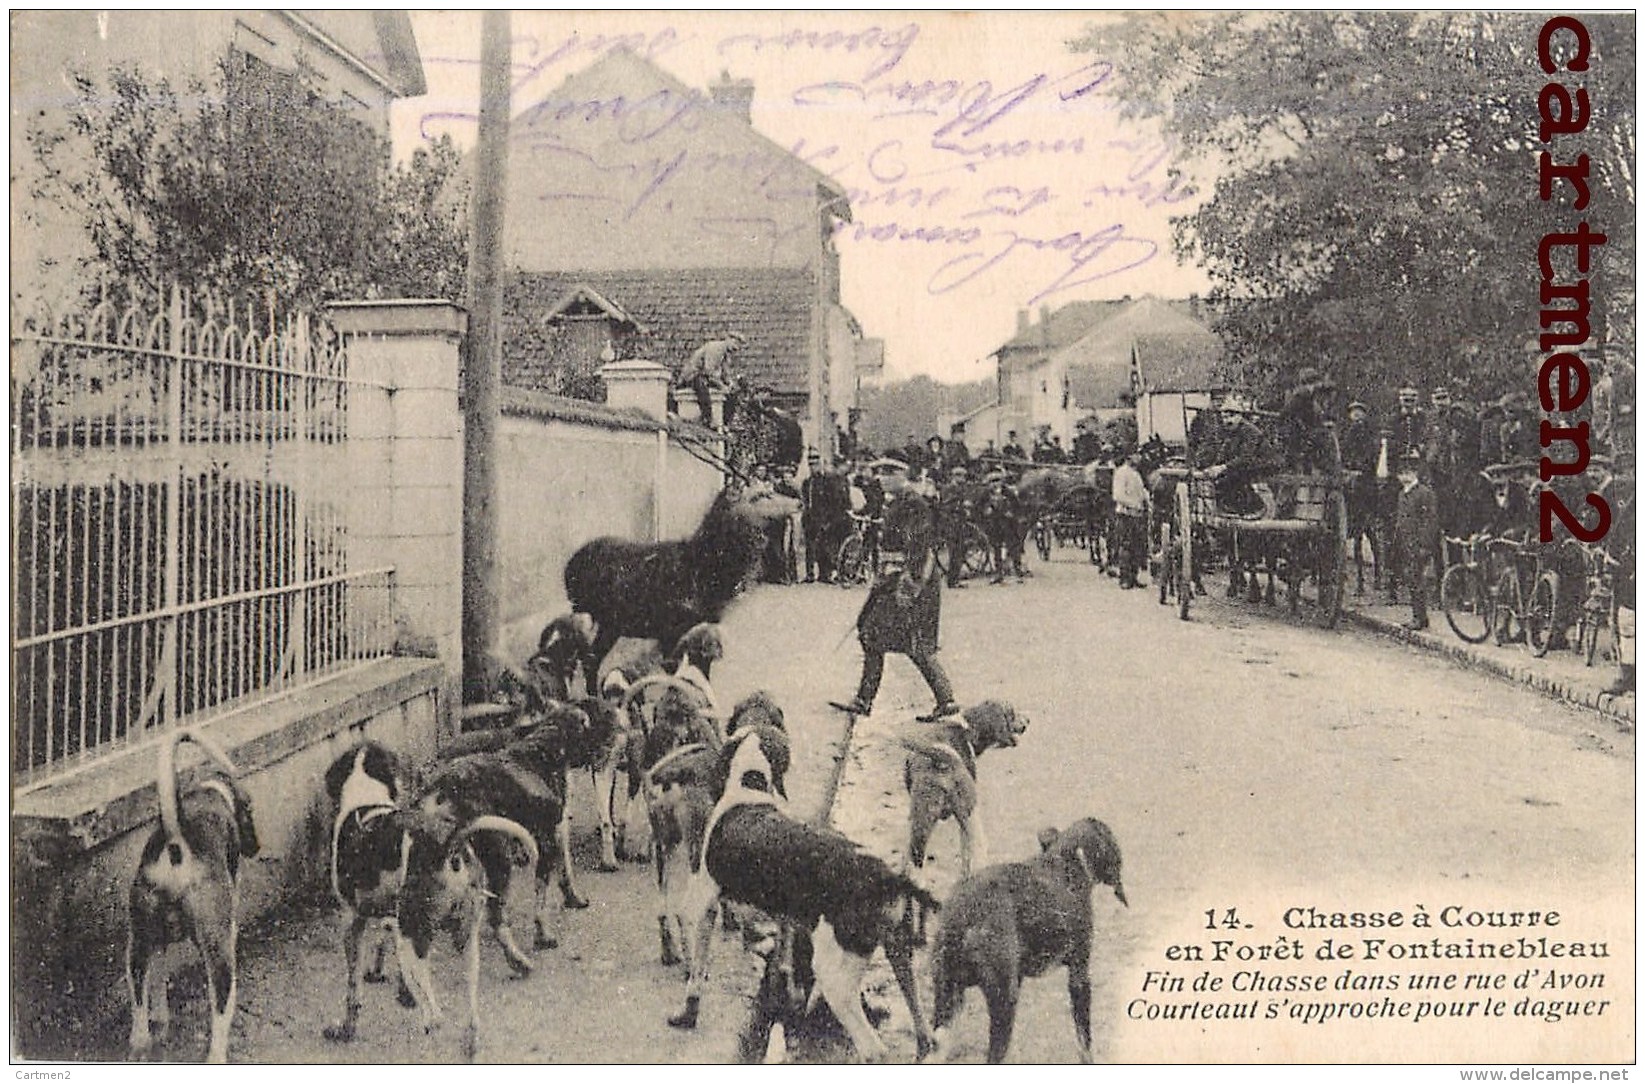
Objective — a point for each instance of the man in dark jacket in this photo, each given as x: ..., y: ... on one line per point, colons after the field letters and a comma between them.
x: 954, y: 511
x: 904, y: 606
x: 1247, y: 455
x: 825, y: 503
x: 1410, y: 426
x: 1416, y: 534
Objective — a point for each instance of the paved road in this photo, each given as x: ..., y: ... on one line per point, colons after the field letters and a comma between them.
x: 1243, y: 759
x: 1246, y: 759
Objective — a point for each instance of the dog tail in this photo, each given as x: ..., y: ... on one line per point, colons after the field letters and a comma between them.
x: 171, y: 818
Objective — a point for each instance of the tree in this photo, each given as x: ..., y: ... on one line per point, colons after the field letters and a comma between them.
x: 894, y: 410
x: 1373, y: 208
x: 255, y: 188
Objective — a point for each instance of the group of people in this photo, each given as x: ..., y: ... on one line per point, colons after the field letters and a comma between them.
x: 1449, y: 469
x: 961, y: 498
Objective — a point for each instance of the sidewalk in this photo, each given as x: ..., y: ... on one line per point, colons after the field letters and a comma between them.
x: 1560, y: 674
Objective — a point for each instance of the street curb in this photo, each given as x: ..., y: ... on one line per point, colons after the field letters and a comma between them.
x: 1619, y: 710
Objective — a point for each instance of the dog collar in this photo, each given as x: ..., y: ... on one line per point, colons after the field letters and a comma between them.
x: 669, y: 758
x: 223, y: 789
x: 367, y: 812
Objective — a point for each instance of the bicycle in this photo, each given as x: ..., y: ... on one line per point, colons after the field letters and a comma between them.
x: 977, y: 557
x: 858, y: 555
x: 1598, y: 600
x: 1522, y: 616
x: 1464, y: 593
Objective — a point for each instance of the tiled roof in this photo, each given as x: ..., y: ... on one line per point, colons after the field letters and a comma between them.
x: 680, y: 310
x: 1177, y: 352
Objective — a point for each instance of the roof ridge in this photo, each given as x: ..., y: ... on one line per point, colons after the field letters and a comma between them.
x: 676, y: 85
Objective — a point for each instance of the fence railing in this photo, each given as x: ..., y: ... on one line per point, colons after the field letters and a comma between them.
x: 180, y: 510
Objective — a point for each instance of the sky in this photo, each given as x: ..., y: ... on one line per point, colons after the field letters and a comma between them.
x: 986, y: 164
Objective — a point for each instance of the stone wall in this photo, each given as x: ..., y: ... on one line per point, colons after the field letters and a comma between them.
x: 571, y: 471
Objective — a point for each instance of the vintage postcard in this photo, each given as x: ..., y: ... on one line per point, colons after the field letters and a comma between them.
x: 524, y: 526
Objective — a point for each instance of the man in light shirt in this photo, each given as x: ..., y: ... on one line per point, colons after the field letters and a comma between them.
x: 1130, y: 512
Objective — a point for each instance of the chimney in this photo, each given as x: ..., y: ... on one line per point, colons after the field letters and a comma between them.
x: 1022, y: 321
x: 734, y: 96
x: 1045, y: 325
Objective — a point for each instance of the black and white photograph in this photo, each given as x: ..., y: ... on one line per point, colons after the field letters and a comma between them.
x: 700, y: 538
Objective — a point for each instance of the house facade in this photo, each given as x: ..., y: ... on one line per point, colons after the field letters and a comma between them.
x: 664, y: 203
x: 1035, y: 385
x: 364, y: 59
x: 1080, y: 359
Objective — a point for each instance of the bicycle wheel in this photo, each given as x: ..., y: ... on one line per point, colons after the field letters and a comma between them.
x: 1184, y: 529
x: 979, y: 554
x: 1505, y: 621
x: 1539, y: 617
x: 848, y: 565
x: 1467, y: 605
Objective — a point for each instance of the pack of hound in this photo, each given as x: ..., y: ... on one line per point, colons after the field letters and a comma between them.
x: 420, y: 851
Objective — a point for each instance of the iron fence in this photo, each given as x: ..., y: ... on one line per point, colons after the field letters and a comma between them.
x: 180, y: 512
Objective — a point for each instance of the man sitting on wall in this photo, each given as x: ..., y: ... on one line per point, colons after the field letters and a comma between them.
x: 708, y: 369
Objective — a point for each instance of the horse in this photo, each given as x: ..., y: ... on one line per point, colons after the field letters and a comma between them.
x: 659, y: 590
x: 1370, y: 512
x: 1038, y: 491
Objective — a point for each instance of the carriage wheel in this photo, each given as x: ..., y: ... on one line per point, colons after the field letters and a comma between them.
x: 1185, y: 563
x: 1333, y: 566
x: 1165, y: 574
x: 1539, y: 617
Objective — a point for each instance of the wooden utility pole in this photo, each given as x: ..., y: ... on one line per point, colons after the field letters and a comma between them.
x: 482, y: 358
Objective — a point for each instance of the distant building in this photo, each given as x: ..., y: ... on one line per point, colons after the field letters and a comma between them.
x: 647, y: 217
x: 1084, y: 357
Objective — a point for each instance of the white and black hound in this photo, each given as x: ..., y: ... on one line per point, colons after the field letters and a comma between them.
x: 849, y: 901
x: 187, y: 887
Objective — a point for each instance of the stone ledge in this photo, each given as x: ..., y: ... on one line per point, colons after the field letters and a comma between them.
x: 1613, y: 708
x: 117, y: 794
x: 528, y: 403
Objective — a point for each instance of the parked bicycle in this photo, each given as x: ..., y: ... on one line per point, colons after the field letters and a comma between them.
x: 1594, y: 620
x: 1465, y: 590
x: 1524, y: 600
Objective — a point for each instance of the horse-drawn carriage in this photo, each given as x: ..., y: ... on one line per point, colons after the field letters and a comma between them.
x: 1299, y: 537
x: 1068, y: 506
